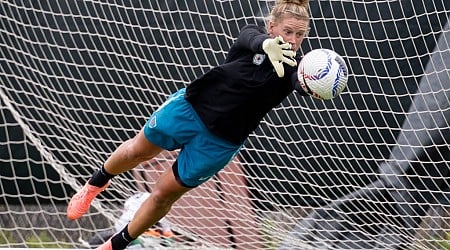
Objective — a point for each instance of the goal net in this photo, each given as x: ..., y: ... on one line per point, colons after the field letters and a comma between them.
x: 367, y: 170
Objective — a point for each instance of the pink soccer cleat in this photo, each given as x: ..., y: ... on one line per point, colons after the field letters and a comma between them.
x: 81, y: 201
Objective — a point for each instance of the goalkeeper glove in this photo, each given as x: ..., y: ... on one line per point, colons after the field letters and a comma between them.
x: 279, y: 52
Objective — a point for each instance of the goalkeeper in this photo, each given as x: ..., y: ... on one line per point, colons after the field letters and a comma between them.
x: 209, y: 120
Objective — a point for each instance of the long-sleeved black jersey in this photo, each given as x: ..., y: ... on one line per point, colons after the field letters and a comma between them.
x: 232, y: 98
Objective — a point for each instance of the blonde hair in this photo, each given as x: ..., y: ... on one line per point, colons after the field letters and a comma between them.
x: 298, y: 9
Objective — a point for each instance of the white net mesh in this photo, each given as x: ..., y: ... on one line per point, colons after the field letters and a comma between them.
x: 367, y: 170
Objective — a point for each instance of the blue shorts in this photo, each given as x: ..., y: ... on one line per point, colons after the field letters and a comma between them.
x: 176, y: 125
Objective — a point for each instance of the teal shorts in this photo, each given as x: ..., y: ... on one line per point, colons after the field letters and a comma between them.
x: 176, y: 125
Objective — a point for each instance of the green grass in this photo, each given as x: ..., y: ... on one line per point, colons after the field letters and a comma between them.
x: 42, y: 240
x: 445, y: 244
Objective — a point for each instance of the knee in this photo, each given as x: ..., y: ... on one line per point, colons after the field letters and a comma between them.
x: 136, y: 153
x: 163, y: 200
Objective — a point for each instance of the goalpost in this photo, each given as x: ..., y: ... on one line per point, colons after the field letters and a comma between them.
x: 369, y: 169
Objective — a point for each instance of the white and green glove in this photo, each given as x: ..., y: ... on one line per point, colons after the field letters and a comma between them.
x: 279, y: 52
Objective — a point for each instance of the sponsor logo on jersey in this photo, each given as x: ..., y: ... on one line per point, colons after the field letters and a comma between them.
x: 204, y: 178
x: 258, y: 59
x: 152, y: 122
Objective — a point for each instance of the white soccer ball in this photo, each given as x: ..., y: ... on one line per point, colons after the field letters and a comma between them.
x: 323, y: 74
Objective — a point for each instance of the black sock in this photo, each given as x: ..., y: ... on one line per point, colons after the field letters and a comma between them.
x: 100, y: 178
x: 121, y: 239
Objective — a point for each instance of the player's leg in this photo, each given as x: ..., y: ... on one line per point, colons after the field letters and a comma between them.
x: 165, y: 192
x: 130, y: 154
x: 194, y: 166
x: 159, y: 130
x: 202, y: 156
x: 127, y: 156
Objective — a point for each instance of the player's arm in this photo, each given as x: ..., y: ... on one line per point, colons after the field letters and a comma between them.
x: 254, y: 38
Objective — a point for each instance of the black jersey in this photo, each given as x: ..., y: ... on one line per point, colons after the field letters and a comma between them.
x: 232, y: 98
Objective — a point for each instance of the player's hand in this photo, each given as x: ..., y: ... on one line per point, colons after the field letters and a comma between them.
x: 279, y: 52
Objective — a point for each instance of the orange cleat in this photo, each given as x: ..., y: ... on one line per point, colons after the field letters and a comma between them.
x: 81, y: 201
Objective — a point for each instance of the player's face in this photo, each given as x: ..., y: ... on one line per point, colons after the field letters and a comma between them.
x: 292, y: 30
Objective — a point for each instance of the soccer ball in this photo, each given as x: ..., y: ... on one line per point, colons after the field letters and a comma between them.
x: 323, y: 74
